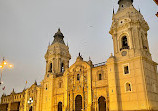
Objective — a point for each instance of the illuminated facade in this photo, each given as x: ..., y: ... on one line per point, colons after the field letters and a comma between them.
x: 128, y: 81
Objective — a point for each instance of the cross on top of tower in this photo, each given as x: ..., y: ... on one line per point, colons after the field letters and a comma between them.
x: 58, y: 34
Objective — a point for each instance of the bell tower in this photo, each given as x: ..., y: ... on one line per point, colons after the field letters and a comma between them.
x: 129, y: 32
x: 57, y: 56
x: 132, y: 74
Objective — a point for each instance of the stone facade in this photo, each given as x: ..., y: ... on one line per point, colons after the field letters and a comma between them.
x: 128, y: 81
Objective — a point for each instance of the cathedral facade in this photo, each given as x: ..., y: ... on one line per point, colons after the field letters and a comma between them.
x: 128, y: 81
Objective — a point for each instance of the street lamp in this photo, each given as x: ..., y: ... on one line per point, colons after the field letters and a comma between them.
x: 3, y: 65
x: 30, y: 101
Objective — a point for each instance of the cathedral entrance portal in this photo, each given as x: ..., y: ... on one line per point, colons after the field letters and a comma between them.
x: 60, y: 106
x: 102, y: 104
x: 78, y: 103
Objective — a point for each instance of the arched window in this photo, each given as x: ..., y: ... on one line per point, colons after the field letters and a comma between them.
x: 128, y: 87
x: 78, y: 77
x: 100, y: 76
x: 62, y: 67
x: 124, y: 43
x: 50, y: 67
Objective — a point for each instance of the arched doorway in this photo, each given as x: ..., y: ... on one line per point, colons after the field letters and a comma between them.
x: 78, y: 103
x: 102, y: 104
x: 60, y: 106
x: 31, y: 108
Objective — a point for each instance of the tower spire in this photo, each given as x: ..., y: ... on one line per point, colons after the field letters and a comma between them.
x: 89, y: 58
x: 3, y: 58
x: 113, y: 11
x: 35, y: 82
x: 59, y: 30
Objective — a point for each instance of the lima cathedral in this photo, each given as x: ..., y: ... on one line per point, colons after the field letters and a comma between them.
x: 128, y: 81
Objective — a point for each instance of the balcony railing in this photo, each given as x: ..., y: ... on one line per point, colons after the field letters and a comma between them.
x: 99, y: 64
x: 124, y: 47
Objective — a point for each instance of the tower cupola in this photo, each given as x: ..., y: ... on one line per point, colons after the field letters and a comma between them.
x: 124, y: 4
x: 58, y: 37
x: 57, y: 56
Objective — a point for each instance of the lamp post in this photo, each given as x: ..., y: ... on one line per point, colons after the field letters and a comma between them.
x: 30, y: 101
x: 3, y: 65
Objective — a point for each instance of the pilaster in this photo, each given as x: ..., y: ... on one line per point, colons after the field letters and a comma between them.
x: 9, y: 106
x: 89, y: 83
x: 113, y: 85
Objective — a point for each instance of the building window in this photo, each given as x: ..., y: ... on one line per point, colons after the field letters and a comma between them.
x: 78, y: 77
x: 62, y: 67
x: 124, y: 43
x: 60, y: 84
x: 50, y: 68
x: 46, y: 87
x: 128, y: 87
x: 126, y: 70
x: 100, y: 76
